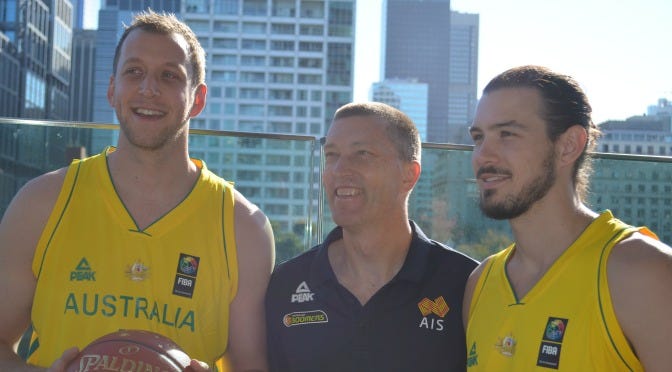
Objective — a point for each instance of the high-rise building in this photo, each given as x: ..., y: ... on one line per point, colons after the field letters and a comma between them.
x: 10, y: 77
x: 463, y: 77
x: 35, y: 69
x: 40, y: 33
x: 81, y: 84
x: 409, y: 96
x: 274, y: 66
x: 422, y: 43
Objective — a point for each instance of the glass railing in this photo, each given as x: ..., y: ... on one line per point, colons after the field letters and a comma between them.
x: 281, y: 174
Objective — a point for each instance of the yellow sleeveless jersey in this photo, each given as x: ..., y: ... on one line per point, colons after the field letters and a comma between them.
x: 97, y: 272
x: 565, y: 322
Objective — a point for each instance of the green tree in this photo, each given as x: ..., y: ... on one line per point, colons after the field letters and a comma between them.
x: 491, y: 242
x: 287, y: 244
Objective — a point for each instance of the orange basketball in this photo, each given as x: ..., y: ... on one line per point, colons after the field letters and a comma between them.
x: 130, y: 351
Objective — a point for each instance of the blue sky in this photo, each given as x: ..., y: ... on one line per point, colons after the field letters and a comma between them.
x: 618, y: 50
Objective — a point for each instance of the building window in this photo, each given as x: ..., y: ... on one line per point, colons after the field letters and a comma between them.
x: 311, y: 79
x: 282, y: 61
x: 249, y: 175
x: 311, y: 30
x: 225, y: 26
x: 228, y: 7
x: 283, y: 8
x: 254, y: 7
x: 282, y: 45
x: 282, y: 29
x: 253, y: 44
x: 340, y: 18
x: 310, y: 62
x: 254, y: 28
x: 310, y: 46
x: 225, y: 43
x: 252, y: 77
x: 312, y: 9
x: 224, y: 59
x: 283, y: 78
x: 252, y: 60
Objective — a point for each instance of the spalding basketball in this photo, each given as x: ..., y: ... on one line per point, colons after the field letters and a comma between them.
x: 131, y: 351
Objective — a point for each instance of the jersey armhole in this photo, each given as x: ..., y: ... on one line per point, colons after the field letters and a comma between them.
x: 480, y: 283
x: 229, y: 232
x: 617, y: 338
x: 55, y: 217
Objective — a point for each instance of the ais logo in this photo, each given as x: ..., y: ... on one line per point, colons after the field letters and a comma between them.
x: 438, y: 307
x: 83, y: 272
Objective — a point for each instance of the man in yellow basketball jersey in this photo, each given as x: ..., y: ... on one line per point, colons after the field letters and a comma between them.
x: 139, y: 236
x: 578, y: 290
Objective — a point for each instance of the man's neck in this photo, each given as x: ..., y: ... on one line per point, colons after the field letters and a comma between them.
x: 365, y: 261
x: 149, y: 185
x: 541, y: 236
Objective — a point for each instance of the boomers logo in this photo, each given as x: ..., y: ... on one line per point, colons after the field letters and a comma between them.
x: 305, y: 317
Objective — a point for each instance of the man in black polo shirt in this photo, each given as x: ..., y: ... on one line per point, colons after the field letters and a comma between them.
x: 377, y: 294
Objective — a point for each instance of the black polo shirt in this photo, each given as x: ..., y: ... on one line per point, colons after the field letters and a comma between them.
x: 413, y: 323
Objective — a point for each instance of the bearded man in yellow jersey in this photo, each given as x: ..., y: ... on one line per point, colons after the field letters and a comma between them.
x: 578, y: 290
x: 139, y: 236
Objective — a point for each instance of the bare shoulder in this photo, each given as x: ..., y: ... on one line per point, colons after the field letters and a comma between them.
x: 20, y: 231
x: 254, y: 236
x: 639, y: 254
x: 29, y: 210
x: 41, y: 189
x: 256, y: 254
x: 639, y: 272
x: 477, y: 272
x: 470, y: 287
x: 247, y: 211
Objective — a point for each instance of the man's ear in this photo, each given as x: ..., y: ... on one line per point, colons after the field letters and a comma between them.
x: 412, y: 172
x: 199, y: 100
x: 571, y: 144
x: 110, y: 91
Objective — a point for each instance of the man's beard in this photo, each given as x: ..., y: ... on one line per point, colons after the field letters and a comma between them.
x: 515, y: 205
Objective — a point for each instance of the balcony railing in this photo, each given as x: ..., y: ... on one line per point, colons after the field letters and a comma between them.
x: 281, y: 174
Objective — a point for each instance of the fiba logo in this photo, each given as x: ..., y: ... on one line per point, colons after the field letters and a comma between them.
x: 188, y: 265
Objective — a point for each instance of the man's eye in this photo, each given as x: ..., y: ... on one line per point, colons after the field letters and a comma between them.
x: 505, y: 134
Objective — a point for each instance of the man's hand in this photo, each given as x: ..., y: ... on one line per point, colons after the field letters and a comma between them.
x: 62, y: 362
x: 197, y: 366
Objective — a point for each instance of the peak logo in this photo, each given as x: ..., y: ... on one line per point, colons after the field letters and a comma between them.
x: 472, y: 358
x: 83, y: 272
x: 302, y: 294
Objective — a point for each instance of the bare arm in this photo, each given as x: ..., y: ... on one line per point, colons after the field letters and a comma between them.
x: 256, y: 256
x: 20, y: 231
x: 640, y: 282
x: 469, y: 292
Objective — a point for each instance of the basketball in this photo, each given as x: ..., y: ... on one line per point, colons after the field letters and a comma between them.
x: 130, y: 351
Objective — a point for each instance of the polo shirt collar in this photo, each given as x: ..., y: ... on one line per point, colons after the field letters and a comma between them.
x: 412, y: 269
